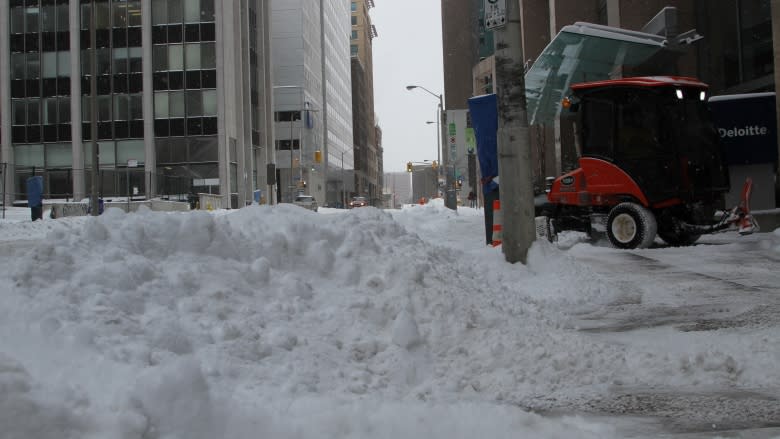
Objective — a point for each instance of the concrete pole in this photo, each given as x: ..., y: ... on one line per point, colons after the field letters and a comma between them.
x: 94, y: 192
x: 514, y: 145
x: 450, y: 198
x: 325, y: 102
x: 79, y: 172
x: 6, y: 148
x: 150, y: 157
x: 270, y: 135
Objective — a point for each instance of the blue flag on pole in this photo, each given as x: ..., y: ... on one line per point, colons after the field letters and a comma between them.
x: 484, y: 119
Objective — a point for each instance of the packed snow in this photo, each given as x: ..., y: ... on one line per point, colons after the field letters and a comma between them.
x: 279, y: 322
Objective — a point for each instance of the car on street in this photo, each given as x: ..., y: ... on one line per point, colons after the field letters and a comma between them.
x: 358, y: 202
x: 306, y: 201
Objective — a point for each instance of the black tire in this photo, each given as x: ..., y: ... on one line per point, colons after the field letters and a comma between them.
x: 677, y: 237
x: 630, y: 226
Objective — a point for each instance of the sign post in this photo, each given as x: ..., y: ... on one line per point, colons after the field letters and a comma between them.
x: 2, y: 181
x: 132, y: 163
x: 495, y: 13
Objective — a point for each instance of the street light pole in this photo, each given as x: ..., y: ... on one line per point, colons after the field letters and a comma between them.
x: 290, y: 186
x: 450, y: 202
x: 343, y: 184
x: 438, y: 150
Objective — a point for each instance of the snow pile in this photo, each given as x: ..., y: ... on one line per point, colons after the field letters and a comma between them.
x: 281, y: 322
x: 18, y: 226
x: 150, y: 318
x: 775, y: 241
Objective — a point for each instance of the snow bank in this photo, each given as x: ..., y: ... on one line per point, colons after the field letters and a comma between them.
x: 281, y: 322
x: 775, y: 241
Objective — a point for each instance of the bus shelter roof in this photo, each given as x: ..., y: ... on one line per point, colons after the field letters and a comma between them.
x: 583, y: 52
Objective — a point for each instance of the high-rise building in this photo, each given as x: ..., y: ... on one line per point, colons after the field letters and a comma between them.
x: 367, y: 158
x: 313, y: 97
x: 181, y: 103
x: 399, y: 187
x: 460, y: 37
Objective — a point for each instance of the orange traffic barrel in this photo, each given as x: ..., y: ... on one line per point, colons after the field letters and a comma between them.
x: 498, y: 219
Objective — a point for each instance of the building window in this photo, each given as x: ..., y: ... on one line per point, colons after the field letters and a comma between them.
x: 184, y: 63
x: 287, y: 116
x: 40, y: 72
x: 354, y: 35
x: 284, y: 145
x: 756, y: 32
x: 119, y: 69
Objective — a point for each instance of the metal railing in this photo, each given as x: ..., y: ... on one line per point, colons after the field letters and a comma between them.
x: 114, y: 183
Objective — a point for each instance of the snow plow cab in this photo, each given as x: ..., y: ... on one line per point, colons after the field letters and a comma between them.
x: 650, y: 165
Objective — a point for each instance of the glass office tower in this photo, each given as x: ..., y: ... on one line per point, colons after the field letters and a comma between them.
x: 181, y: 97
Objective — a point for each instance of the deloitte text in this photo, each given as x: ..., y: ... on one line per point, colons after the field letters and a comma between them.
x: 743, y: 132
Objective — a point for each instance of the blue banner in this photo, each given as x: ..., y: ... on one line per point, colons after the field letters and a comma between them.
x: 35, y: 191
x: 484, y: 119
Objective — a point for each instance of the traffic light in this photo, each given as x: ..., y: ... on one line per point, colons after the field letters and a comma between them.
x: 318, y: 156
x: 435, y: 165
x: 408, y: 166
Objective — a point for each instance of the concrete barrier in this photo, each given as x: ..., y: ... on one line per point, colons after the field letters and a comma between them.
x: 61, y: 210
x: 169, y: 206
x: 210, y: 201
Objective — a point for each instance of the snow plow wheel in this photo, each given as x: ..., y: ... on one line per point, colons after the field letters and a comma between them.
x: 630, y: 225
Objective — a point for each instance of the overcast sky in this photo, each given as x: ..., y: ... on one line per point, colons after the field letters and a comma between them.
x: 408, y: 51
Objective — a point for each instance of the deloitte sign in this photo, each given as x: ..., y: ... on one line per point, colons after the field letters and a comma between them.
x: 743, y: 132
x: 747, y: 127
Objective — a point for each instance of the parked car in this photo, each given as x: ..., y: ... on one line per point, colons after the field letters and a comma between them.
x: 358, y: 202
x: 306, y: 201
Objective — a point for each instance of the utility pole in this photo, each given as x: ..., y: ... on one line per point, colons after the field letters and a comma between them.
x: 514, y: 145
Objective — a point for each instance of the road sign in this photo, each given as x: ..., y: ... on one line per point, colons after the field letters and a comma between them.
x: 495, y: 13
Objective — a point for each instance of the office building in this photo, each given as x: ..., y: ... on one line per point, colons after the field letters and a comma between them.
x: 367, y: 158
x: 181, y: 103
x: 399, y: 186
x: 313, y: 97
x: 460, y: 37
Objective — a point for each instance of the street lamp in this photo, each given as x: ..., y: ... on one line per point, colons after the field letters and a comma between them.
x: 343, y: 183
x: 438, y: 118
x: 452, y: 204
